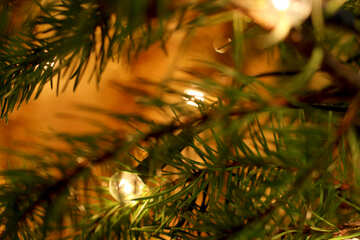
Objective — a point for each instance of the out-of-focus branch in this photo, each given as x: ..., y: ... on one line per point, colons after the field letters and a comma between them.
x: 49, y: 192
x: 343, y: 75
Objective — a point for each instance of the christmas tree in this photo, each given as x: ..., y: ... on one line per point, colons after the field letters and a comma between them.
x: 216, y: 152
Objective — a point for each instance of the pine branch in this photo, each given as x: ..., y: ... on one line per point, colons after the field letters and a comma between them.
x: 277, y: 74
x: 343, y: 75
x: 48, y: 47
x: 47, y: 194
x: 246, y: 157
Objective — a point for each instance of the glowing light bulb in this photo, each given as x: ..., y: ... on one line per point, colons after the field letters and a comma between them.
x: 278, y: 15
x: 281, y: 5
x: 51, y: 64
x: 194, y: 95
x: 125, y: 186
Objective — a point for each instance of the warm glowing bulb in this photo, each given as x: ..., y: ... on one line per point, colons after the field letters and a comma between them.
x: 126, y: 186
x: 281, y: 5
x: 51, y: 64
x: 194, y: 95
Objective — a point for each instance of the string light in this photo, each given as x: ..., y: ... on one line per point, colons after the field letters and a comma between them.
x: 125, y: 186
x: 281, y: 5
x: 193, y: 96
x: 51, y: 64
x: 279, y: 16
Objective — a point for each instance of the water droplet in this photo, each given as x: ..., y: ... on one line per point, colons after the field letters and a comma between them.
x: 222, y: 45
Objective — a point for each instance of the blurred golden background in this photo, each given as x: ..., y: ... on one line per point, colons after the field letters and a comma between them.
x: 51, y: 112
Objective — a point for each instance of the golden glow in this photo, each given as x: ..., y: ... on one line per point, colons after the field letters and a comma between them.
x: 194, y: 95
x: 281, y: 5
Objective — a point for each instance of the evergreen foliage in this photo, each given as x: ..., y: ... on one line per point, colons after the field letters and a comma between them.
x: 237, y: 164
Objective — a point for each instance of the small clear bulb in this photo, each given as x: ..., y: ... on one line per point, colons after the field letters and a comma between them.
x: 51, y: 64
x: 125, y: 186
x: 281, y: 5
x: 194, y: 95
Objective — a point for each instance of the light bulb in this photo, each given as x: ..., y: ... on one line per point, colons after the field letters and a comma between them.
x: 194, y: 95
x: 125, y: 186
x: 51, y: 64
x: 281, y: 5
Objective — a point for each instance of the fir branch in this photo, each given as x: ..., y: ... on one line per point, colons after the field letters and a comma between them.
x: 277, y: 74
x: 48, y: 47
x: 349, y: 117
x: 343, y: 75
x: 47, y: 194
x: 219, y: 193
